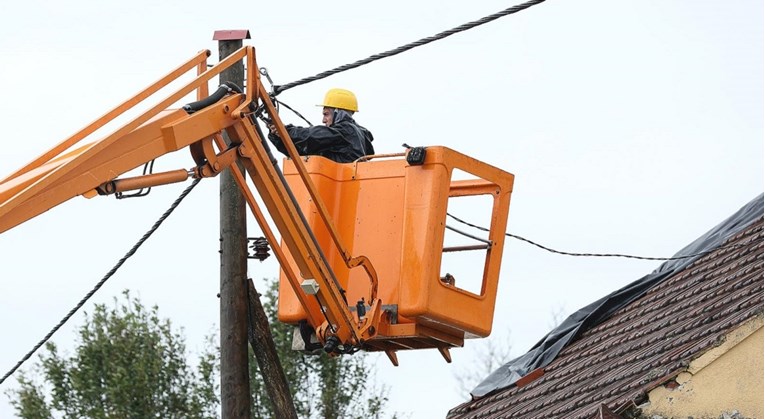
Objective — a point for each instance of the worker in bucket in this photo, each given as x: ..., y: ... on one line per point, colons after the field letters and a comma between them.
x: 340, y: 139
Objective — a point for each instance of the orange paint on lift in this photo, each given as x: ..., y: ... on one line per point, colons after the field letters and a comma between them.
x: 394, y: 213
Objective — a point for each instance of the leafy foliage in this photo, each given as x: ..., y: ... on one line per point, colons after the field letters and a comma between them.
x: 128, y: 364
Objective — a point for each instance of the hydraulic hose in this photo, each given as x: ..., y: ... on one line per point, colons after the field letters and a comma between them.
x: 223, y: 90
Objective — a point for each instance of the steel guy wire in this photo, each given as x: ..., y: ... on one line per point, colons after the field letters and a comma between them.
x: 103, y: 280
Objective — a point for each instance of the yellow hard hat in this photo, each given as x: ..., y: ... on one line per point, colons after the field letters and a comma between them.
x: 341, y: 99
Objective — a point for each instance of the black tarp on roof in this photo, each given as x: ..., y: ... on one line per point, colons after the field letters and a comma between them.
x: 545, y: 351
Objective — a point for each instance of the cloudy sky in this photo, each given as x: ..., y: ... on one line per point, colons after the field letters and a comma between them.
x: 631, y: 127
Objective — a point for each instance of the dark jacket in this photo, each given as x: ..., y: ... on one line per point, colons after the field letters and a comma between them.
x: 344, y: 141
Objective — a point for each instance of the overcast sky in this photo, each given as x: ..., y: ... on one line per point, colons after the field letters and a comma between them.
x: 632, y: 127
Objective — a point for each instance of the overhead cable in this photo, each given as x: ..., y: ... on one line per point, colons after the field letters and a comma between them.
x: 103, y: 280
x: 617, y: 255
x: 510, y: 10
x: 279, y: 102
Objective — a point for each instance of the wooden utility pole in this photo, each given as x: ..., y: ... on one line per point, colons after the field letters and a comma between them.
x: 234, y: 371
x: 239, y: 301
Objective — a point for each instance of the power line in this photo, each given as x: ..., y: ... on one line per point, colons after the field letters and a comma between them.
x: 280, y: 103
x: 103, y: 280
x: 620, y: 255
x: 514, y: 9
x: 510, y: 10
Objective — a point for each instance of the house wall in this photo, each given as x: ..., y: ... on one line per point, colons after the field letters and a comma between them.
x: 725, y: 379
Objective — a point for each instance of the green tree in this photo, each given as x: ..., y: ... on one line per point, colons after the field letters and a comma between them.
x: 127, y: 364
x: 130, y: 364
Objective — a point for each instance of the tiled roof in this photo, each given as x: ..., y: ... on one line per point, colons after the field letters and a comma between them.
x: 644, y: 344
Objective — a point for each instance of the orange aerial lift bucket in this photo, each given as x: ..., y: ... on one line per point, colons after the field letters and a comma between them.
x: 366, y: 236
x: 394, y: 213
